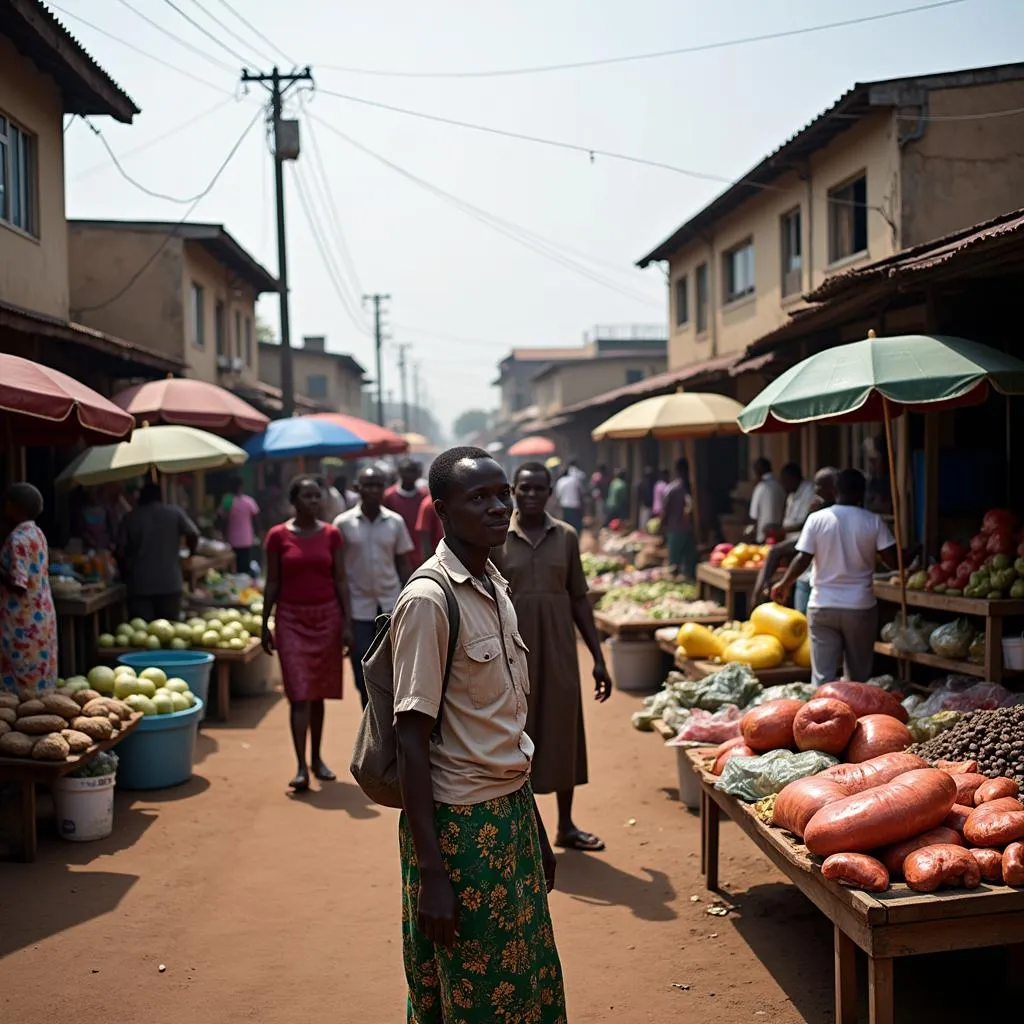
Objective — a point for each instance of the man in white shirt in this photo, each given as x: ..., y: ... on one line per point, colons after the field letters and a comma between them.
x: 376, y: 549
x: 768, y: 502
x: 569, y: 495
x: 844, y: 543
x: 799, y: 495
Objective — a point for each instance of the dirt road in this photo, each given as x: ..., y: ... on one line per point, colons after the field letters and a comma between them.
x: 273, y: 909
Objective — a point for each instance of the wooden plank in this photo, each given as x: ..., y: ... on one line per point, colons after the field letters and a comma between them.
x: 845, y: 977
x: 885, y: 591
x: 881, y: 1009
x: 91, y: 602
x: 245, y: 655
x: 964, y: 668
x: 606, y: 623
x: 904, y: 906
x: 664, y: 731
x: 944, y: 935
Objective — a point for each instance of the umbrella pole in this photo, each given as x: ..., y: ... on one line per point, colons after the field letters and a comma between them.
x: 896, y: 512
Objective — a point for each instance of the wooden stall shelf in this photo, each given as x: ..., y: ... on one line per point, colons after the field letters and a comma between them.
x: 26, y: 774
x: 80, y: 619
x: 737, y: 586
x: 195, y: 567
x: 886, y: 925
x: 612, y: 626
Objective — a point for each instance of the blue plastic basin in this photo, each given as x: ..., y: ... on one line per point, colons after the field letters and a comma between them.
x: 192, y: 666
x: 159, y: 752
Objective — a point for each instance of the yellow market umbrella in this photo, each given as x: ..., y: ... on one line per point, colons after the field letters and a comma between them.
x: 672, y: 417
x: 166, y: 449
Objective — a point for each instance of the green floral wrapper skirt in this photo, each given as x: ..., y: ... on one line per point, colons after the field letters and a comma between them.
x: 504, y: 966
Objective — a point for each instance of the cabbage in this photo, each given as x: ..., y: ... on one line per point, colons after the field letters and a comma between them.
x: 952, y: 640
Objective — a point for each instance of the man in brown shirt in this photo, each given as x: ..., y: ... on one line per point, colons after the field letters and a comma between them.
x: 476, y: 862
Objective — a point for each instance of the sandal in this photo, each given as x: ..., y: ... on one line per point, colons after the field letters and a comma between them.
x: 586, y: 842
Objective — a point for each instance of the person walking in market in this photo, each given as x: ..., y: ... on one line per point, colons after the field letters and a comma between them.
x: 477, y: 938
x: 541, y: 561
x: 843, y: 543
x: 599, y: 481
x: 28, y: 621
x: 645, y: 496
x: 429, y: 529
x: 307, y: 593
x: 405, y: 498
x: 617, y: 502
x: 238, y: 514
x: 377, y: 563
x: 148, y: 548
x: 569, y: 495
x: 767, y: 503
x: 676, y: 524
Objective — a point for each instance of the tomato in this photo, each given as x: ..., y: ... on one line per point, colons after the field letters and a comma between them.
x: 1000, y: 542
x: 998, y: 519
x: 951, y: 552
x: 979, y: 542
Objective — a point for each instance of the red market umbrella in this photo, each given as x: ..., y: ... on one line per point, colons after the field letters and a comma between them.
x: 379, y: 441
x: 532, y: 447
x: 182, y: 402
x: 40, y: 406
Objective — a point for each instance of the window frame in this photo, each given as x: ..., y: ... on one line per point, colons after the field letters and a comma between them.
x: 248, y: 341
x: 633, y: 375
x: 311, y: 391
x: 19, y: 146
x: 842, y: 206
x: 198, y: 315
x: 682, y: 300
x: 729, y: 293
x: 702, y: 297
x: 221, y: 341
x: 792, y: 271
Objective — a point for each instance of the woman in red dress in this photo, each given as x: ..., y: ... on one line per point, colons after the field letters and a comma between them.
x: 306, y: 583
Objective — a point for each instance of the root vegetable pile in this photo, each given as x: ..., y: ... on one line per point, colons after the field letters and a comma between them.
x: 995, y: 739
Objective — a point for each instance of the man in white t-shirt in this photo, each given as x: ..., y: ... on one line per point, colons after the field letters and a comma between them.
x: 569, y: 495
x: 843, y: 543
x: 768, y: 502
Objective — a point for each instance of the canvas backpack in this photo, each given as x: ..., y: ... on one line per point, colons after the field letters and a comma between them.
x: 375, y: 757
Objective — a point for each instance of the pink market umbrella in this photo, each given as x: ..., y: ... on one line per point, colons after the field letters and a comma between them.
x: 379, y: 441
x: 534, y: 446
x: 191, y: 403
x: 40, y: 406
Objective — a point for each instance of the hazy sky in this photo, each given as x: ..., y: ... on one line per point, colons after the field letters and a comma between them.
x: 462, y: 293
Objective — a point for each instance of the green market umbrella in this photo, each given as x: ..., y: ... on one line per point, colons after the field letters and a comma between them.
x: 878, y: 378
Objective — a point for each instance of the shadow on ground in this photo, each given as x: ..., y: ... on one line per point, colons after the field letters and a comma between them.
x: 338, y: 796
x: 591, y: 879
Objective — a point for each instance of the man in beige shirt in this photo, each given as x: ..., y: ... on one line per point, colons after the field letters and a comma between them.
x: 476, y: 862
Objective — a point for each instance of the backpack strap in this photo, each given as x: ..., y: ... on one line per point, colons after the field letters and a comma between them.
x: 454, y: 625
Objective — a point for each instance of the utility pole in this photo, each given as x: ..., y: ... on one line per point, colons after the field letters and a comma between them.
x: 416, y: 396
x: 377, y: 299
x: 286, y: 147
x: 406, y: 425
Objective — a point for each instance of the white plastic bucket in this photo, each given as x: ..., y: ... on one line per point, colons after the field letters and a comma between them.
x: 689, y: 784
x: 1013, y: 653
x: 635, y: 665
x: 84, y: 807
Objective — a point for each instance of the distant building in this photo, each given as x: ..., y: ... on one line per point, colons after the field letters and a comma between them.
x: 330, y: 381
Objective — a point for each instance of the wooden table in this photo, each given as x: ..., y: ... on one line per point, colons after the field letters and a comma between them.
x: 737, y: 586
x: 197, y: 566
x: 608, y: 624
x: 78, y: 624
x: 26, y: 773
x: 886, y: 925
x: 698, y: 668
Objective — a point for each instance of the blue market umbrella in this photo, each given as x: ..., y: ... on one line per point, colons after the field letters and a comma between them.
x: 304, y: 437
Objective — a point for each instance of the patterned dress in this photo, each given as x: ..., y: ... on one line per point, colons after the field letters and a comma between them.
x: 28, y: 623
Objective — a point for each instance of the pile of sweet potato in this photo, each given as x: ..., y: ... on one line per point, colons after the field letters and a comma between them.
x: 894, y: 816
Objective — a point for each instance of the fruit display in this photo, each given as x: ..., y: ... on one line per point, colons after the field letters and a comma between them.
x: 55, y: 725
x: 600, y: 565
x: 630, y: 576
x: 739, y: 556
x: 626, y: 545
x: 771, y: 636
x: 227, y: 629
x: 663, y: 599
x: 229, y: 589
x: 149, y: 691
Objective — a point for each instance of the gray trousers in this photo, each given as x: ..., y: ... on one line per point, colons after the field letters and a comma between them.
x: 838, y: 636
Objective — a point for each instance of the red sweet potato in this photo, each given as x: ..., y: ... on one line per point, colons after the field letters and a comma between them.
x: 824, y: 724
x: 894, y: 856
x: 996, y: 789
x: 857, y: 870
x: 875, y: 735
x: 799, y: 801
x: 956, y: 767
x: 1012, y: 863
x: 995, y: 823
x: 909, y: 805
x: 864, y: 699
x: 930, y: 868
x: 855, y: 778
x: 990, y: 863
x: 967, y: 785
x: 739, y: 749
x: 957, y: 817
x: 769, y: 726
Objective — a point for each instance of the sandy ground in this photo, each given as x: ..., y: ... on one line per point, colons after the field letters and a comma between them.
x: 274, y: 909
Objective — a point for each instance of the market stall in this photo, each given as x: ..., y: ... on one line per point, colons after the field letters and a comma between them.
x: 733, y: 587
x: 83, y: 616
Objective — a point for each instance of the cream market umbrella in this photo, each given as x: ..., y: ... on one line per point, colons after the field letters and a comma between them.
x: 165, y: 449
x: 681, y: 415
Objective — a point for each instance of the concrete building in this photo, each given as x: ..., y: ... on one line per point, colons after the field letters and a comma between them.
x: 330, y: 381
x: 890, y: 164
x: 189, y: 290
x: 44, y: 75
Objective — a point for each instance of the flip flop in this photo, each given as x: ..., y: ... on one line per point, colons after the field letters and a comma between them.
x: 587, y: 842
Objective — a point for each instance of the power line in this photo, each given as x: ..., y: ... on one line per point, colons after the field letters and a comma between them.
x: 138, y: 49
x: 655, y: 55
x: 178, y: 128
x: 256, y: 32
x: 517, y: 234
x: 199, y: 51
x: 231, y: 32
x: 171, y: 234
x: 206, y: 32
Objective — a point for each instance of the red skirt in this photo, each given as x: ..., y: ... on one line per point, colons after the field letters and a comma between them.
x: 308, y: 641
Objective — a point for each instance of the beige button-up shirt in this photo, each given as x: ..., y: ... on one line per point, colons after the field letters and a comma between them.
x: 484, y: 751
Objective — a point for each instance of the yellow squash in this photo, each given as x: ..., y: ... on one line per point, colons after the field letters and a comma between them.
x: 802, y: 655
x: 698, y: 641
x: 787, y: 625
x: 759, y: 652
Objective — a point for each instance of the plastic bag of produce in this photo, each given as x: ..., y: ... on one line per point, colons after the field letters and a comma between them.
x: 887, y: 682
x: 785, y: 691
x: 977, y: 697
x: 643, y: 720
x: 705, y: 727
x: 911, y: 637
x: 734, y: 684
x: 675, y: 717
x: 976, y: 652
x: 752, y: 778
x: 928, y: 728
x: 952, y: 640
